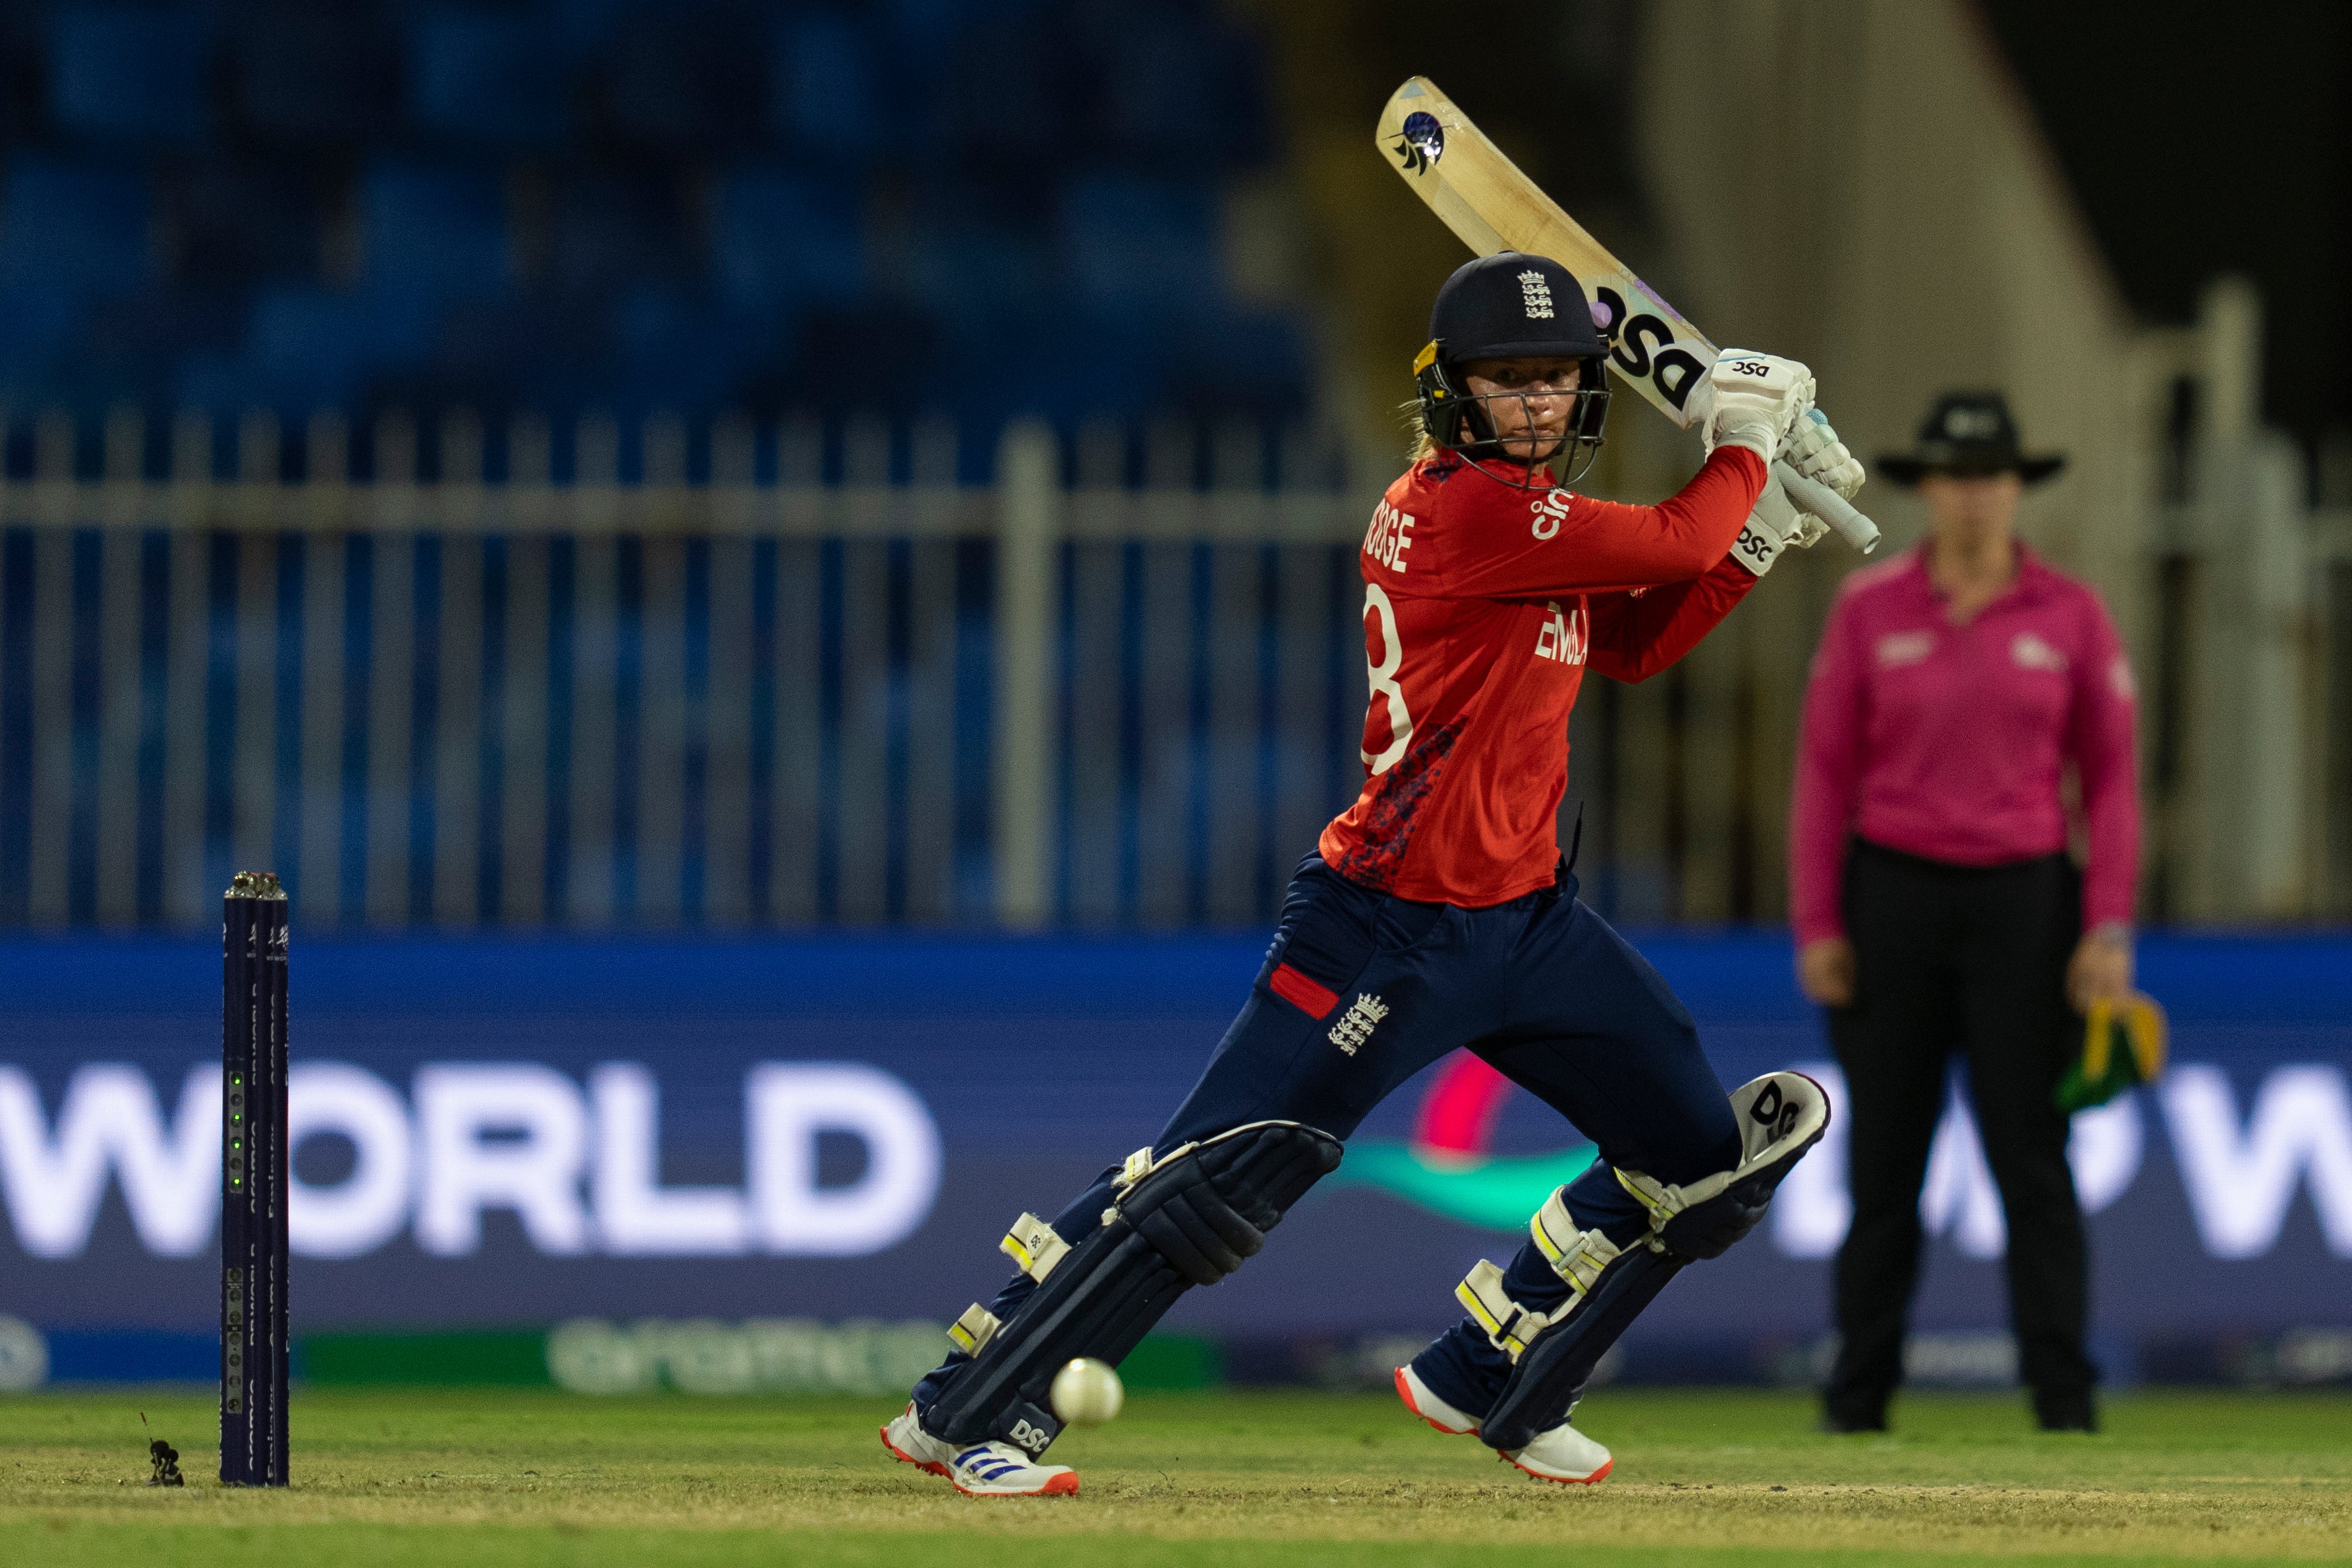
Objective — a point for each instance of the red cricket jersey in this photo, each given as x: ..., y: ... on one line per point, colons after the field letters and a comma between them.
x: 1483, y: 605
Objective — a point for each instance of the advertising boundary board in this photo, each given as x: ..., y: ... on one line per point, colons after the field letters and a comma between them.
x: 516, y: 1133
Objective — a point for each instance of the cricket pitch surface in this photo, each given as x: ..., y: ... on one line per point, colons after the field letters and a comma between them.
x: 450, y: 1479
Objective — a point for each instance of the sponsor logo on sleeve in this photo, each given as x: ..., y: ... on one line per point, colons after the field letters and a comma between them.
x: 1550, y: 510
x: 2028, y: 651
x: 1898, y: 648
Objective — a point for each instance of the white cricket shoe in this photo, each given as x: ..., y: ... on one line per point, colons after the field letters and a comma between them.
x: 1424, y: 1404
x: 999, y: 1469
x: 978, y: 1469
x: 1563, y: 1454
x: 910, y: 1445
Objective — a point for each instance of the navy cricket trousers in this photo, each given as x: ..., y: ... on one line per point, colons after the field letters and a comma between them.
x: 1541, y: 987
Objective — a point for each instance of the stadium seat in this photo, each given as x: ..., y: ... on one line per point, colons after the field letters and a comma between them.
x: 80, y: 226
x: 914, y: 24
x: 236, y: 223
x: 1004, y: 102
x: 882, y: 356
x: 333, y: 225
x: 494, y: 356
x: 311, y: 76
x: 307, y: 347
x: 129, y: 345
x: 931, y: 44
x: 131, y: 73
x: 584, y: 27
x: 1227, y: 362
x: 1063, y: 363
x: 974, y: 267
x: 488, y: 77
x: 786, y: 237
x: 1181, y: 94
x: 822, y: 94
x: 608, y: 231
x: 435, y: 227
x: 685, y: 76
x: 679, y: 351
x: 38, y: 322
x: 1130, y: 241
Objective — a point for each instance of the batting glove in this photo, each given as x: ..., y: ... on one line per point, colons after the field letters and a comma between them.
x: 1772, y: 526
x: 1753, y: 400
x: 1814, y: 450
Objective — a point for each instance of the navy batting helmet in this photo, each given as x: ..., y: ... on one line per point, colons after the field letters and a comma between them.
x: 1507, y: 306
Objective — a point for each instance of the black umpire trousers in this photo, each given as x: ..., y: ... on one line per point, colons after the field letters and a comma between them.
x: 1970, y: 961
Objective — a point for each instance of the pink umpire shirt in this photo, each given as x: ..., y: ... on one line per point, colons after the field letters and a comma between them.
x: 1948, y: 741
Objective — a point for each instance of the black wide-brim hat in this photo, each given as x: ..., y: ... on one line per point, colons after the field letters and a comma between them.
x: 1968, y: 434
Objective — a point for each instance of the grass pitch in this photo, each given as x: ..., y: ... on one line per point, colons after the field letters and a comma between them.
x: 454, y: 1479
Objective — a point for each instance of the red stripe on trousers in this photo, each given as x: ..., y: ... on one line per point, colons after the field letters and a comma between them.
x: 1301, y: 993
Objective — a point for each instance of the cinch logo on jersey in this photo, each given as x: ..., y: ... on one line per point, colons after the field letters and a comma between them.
x: 1355, y: 1025
x: 1536, y: 293
x: 1389, y: 537
x: 1564, y: 635
x: 1550, y: 510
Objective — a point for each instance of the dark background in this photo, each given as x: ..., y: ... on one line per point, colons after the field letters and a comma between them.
x: 2200, y: 138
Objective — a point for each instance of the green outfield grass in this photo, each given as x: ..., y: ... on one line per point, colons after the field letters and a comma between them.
x: 1201, y: 1480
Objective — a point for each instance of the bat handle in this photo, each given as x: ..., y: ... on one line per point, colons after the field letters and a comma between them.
x: 1812, y: 496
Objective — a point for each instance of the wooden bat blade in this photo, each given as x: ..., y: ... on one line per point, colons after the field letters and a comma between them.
x: 1491, y: 205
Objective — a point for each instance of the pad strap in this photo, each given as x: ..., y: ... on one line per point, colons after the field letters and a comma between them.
x: 972, y: 1332
x: 1578, y: 1256
x: 1035, y: 1245
x: 1546, y: 1381
x: 1780, y: 1115
x: 1187, y: 1219
x: 1510, y: 1327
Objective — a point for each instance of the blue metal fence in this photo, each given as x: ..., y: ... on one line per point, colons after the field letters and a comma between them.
x: 745, y: 702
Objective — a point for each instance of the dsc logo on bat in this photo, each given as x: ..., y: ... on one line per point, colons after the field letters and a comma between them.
x: 1645, y: 348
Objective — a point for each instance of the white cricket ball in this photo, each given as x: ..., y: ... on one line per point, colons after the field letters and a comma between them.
x: 1087, y: 1392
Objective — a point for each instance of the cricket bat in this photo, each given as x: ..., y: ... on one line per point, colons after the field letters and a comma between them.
x: 1485, y: 200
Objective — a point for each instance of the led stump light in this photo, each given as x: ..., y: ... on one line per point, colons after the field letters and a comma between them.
x: 253, y: 1236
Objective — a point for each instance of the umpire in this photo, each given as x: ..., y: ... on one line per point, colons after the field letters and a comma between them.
x: 1937, y: 910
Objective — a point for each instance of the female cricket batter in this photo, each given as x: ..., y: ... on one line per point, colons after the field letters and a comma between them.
x: 1436, y: 912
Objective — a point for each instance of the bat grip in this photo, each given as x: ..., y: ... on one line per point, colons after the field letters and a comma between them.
x: 1812, y: 496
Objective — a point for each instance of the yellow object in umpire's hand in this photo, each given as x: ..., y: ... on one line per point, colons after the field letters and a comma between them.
x: 2123, y: 1045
